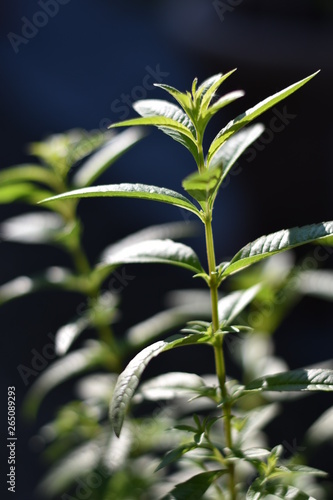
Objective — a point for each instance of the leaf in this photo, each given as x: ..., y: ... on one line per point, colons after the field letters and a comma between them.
x: 176, y: 454
x: 156, y: 251
x: 53, y: 277
x: 222, y: 102
x: 231, y: 150
x: 125, y: 190
x: 129, y: 379
x: 274, y: 243
x: 202, y: 185
x: 34, y: 227
x: 285, y: 491
x: 66, y: 335
x: 195, y: 487
x: 172, y: 230
x: 106, y: 156
x: 155, y: 107
x: 22, y: 191
x: 169, y: 386
x: 29, y: 172
x: 258, y: 491
x: 95, y: 354
x: 295, y: 380
x: 207, y: 89
x: 158, y: 121
x: 318, y: 283
x: 252, y: 113
x: 234, y: 303
x: 183, y: 99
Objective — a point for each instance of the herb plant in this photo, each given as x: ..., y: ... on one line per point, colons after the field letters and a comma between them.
x: 216, y: 443
x: 214, y: 447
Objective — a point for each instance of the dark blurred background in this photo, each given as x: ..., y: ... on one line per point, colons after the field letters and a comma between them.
x: 84, y: 63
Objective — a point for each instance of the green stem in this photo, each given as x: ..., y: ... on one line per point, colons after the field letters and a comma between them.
x: 218, y: 347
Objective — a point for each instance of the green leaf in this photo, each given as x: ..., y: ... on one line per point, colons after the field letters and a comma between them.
x: 141, y: 191
x: 207, y: 89
x: 158, y: 121
x: 19, y: 191
x: 172, y: 230
x: 176, y: 454
x: 234, y: 303
x: 155, y: 107
x: 285, y: 491
x: 259, y: 490
x: 202, y: 185
x: 318, y: 283
x: 252, y: 113
x: 195, y: 487
x: 29, y: 172
x: 158, y: 252
x: 274, y: 243
x: 95, y: 354
x: 169, y: 386
x: 106, y: 156
x: 222, y: 102
x: 34, y: 227
x: 231, y: 150
x: 295, y: 380
x: 129, y: 379
x: 183, y: 99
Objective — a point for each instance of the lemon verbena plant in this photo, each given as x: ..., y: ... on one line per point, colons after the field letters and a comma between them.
x: 214, y: 443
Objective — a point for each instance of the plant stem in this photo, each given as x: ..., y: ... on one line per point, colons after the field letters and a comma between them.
x: 218, y: 347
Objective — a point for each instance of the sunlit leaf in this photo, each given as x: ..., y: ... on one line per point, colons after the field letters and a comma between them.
x: 295, y: 380
x: 29, y: 173
x: 169, y: 386
x: 158, y: 252
x: 202, y: 185
x: 140, y: 191
x: 176, y: 454
x: 252, y: 113
x: 234, y: 303
x: 155, y: 107
x: 129, y: 379
x: 274, y: 243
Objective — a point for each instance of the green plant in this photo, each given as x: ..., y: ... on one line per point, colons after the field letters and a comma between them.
x: 220, y: 461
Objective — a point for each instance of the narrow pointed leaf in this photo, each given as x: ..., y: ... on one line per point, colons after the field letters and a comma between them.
x: 174, y: 455
x: 182, y: 99
x: 157, y: 121
x: 34, y: 227
x: 295, y: 380
x: 195, y: 487
x: 156, y: 251
x: 277, y: 242
x: 141, y: 191
x: 234, y: 303
x: 106, y: 156
x: 66, y: 335
x: 182, y: 139
x: 207, y: 89
x: 129, y: 379
x: 224, y: 101
x: 22, y: 191
x: 155, y: 107
x: 29, y: 172
x: 252, y: 113
x: 231, y: 150
x: 169, y: 386
x: 202, y: 185
x: 287, y: 492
